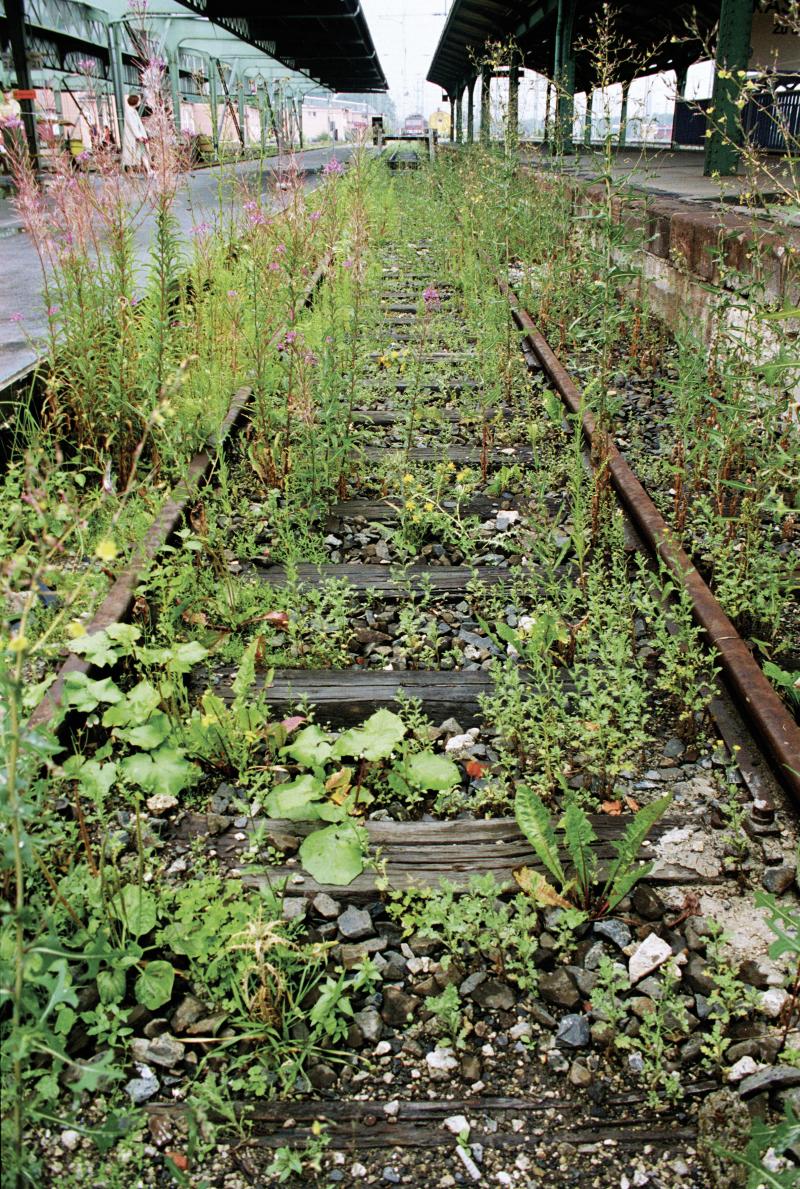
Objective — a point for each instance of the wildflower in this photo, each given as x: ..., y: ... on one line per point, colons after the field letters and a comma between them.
x: 431, y: 299
x: 281, y: 249
x: 462, y: 476
x: 429, y: 506
x: 315, y: 216
x: 274, y: 266
x: 16, y: 317
x: 332, y: 167
x: 201, y: 229
x: 233, y: 293
x: 410, y: 505
x: 347, y: 264
x: 52, y: 311
x: 451, y: 466
x: 291, y: 335
x: 106, y: 550
x: 310, y: 358
x: 408, y: 478
x: 328, y: 338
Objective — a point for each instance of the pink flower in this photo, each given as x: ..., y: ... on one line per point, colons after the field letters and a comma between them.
x: 201, y: 229
x: 333, y: 167
x: 281, y: 249
x: 274, y: 266
x: 16, y: 317
x: 328, y: 338
x: 347, y: 264
x: 315, y: 216
x: 431, y: 298
x: 310, y: 358
x: 291, y: 335
x: 52, y: 311
x: 233, y: 293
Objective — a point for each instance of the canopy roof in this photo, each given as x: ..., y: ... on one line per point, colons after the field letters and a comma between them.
x: 662, y: 36
x: 326, y: 39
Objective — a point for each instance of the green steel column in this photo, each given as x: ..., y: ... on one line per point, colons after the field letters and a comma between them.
x: 681, y: 78
x: 242, y: 113
x: 213, y: 103
x: 262, y: 118
x: 587, y: 123
x: 115, y: 62
x: 15, y: 18
x: 459, y: 116
x: 733, y: 55
x: 486, y: 105
x: 623, y: 116
x: 175, y: 88
x: 471, y: 111
x: 564, y: 75
x: 512, y: 116
x: 452, y: 120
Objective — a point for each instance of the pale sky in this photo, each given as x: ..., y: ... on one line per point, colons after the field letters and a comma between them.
x: 406, y: 33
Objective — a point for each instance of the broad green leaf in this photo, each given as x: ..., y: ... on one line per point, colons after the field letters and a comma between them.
x: 162, y: 771
x: 97, y: 648
x: 96, y: 779
x: 124, y: 635
x: 85, y: 694
x: 136, y: 707
x: 298, y: 800
x: 154, y: 984
x: 334, y: 855
x: 375, y: 739
x: 111, y: 985
x: 429, y: 771
x: 150, y: 734
x: 136, y: 908
x: 534, y: 821
x: 183, y: 657
x: 311, y: 747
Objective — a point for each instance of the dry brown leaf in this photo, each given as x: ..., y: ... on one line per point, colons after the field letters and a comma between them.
x: 632, y: 804
x: 537, y: 886
x: 612, y: 807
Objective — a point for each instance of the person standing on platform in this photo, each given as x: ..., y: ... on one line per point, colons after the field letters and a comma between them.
x: 134, y: 139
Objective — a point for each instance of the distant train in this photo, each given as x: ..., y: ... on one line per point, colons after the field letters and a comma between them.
x: 415, y: 125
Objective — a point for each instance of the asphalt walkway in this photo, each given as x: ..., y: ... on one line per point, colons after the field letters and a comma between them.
x: 206, y: 195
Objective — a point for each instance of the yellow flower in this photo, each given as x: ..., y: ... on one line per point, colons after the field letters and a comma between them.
x: 18, y: 643
x: 462, y: 475
x: 75, y: 629
x: 451, y: 466
x: 106, y: 550
x: 408, y: 478
x: 410, y: 504
x: 429, y: 506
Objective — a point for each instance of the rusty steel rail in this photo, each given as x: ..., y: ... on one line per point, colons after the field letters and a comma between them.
x: 118, y: 602
x: 776, y: 728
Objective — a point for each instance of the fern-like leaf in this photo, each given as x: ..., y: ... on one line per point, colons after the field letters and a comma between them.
x: 534, y: 821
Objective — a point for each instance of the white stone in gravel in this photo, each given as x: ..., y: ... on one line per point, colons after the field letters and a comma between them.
x: 382, y: 1048
x: 459, y: 747
x: 487, y: 1050
x: 392, y: 1108
x: 647, y: 957
x: 441, y: 1063
x: 773, y: 1002
x: 505, y: 519
x: 419, y: 965
x: 469, y: 1164
x: 504, y: 1178
x: 519, y: 1030
x: 456, y: 1124
x: 742, y: 1069
x: 70, y: 1140
x: 358, y: 1170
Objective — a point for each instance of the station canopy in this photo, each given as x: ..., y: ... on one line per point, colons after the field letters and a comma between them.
x: 662, y: 36
x: 327, y: 39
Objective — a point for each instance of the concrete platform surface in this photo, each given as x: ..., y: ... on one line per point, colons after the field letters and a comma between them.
x: 206, y: 195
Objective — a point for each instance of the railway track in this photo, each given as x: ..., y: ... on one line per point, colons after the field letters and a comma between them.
x: 412, y: 630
